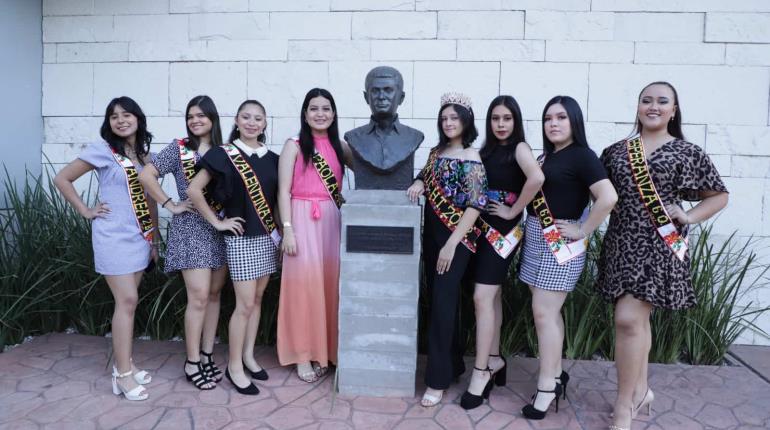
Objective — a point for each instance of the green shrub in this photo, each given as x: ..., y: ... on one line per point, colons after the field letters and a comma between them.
x: 47, y: 283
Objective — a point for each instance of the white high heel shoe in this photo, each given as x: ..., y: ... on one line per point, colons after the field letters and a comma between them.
x: 141, y: 377
x: 135, y: 394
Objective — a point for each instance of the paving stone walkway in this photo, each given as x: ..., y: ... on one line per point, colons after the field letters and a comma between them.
x: 60, y: 381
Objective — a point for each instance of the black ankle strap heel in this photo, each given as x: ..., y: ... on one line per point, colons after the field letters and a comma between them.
x: 472, y: 401
x: 530, y: 412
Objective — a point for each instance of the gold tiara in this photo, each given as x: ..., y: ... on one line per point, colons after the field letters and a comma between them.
x: 456, y: 99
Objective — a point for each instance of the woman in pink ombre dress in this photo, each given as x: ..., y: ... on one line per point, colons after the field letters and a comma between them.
x: 307, y: 309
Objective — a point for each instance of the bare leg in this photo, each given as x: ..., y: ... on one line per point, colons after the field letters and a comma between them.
x: 124, y: 290
x: 198, y: 284
x: 497, y: 362
x: 631, y: 349
x: 244, y: 306
x: 484, y: 301
x: 211, y: 320
x: 253, y: 326
x: 641, y: 384
x: 546, y: 309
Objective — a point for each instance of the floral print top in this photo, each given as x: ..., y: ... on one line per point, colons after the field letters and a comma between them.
x: 464, y: 182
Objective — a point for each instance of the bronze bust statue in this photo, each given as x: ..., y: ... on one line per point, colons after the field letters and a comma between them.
x: 383, y: 150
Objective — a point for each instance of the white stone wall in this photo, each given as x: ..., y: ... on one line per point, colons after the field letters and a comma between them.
x: 162, y: 52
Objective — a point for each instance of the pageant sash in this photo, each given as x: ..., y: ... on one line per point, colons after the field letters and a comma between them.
x: 326, y: 174
x: 187, y: 159
x: 651, y: 199
x: 136, y: 193
x: 448, y: 213
x: 502, y: 244
x: 562, y: 250
x: 254, y: 189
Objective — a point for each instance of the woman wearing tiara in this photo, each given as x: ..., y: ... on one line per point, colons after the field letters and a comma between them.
x: 455, y: 185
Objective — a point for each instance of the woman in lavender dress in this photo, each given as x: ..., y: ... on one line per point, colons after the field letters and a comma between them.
x: 123, y: 223
x: 193, y: 247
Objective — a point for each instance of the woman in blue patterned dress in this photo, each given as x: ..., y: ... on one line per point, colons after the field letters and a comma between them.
x: 122, y: 228
x: 455, y: 185
x: 193, y: 247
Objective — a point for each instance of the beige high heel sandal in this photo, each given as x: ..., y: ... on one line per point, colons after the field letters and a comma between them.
x: 649, y: 396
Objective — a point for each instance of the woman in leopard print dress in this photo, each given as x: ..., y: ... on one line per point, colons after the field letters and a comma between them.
x: 637, y: 269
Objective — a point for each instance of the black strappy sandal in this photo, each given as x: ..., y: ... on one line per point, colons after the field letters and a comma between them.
x: 211, y: 369
x: 200, y: 378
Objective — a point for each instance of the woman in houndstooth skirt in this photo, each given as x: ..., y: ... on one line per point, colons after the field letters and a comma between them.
x: 573, y: 173
x: 251, y: 253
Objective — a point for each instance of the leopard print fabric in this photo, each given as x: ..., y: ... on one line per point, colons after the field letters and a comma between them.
x: 634, y: 259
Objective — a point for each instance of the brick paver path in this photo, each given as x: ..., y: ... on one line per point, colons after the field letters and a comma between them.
x: 60, y: 381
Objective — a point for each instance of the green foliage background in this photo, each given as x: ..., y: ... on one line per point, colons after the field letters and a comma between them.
x: 47, y: 284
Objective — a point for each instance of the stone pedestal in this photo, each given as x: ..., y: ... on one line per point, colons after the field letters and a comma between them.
x: 379, y: 288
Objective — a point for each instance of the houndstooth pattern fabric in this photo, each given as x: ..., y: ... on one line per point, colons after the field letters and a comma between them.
x: 251, y: 257
x: 539, y: 267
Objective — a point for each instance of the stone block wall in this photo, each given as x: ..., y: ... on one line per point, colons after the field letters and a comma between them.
x: 162, y: 52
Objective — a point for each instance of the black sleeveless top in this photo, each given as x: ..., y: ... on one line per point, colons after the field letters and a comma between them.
x: 503, y: 174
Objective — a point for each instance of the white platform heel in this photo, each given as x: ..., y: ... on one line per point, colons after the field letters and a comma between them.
x: 142, y: 377
x: 135, y: 394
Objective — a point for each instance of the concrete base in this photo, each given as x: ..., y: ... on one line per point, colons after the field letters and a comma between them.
x: 378, y: 300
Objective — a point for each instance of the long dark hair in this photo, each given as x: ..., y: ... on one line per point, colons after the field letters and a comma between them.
x: 466, y: 119
x: 490, y: 141
x: 117, y: 143
x: 674, y: 126
x: 575, y: 116
x: 306, y: 143
x: 235, y: 133
x: 209, y: 109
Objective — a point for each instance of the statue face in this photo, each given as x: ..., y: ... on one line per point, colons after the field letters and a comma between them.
x: 384, y: 95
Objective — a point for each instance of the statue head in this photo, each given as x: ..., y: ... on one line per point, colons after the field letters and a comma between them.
x: 384, y: 91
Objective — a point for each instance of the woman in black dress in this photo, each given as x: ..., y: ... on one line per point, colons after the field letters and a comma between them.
x: 513, y: 177
x: 644, y: 262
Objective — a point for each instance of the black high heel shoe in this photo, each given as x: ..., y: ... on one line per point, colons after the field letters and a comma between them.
x: 563, y: 379
x: 260, y: 376
x: 250, y: 390
x: 530, y: 412
x: 471, y: 401
x: 501, y: 373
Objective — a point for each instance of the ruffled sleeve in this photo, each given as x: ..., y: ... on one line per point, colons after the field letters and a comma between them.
x: 474, y: 185
x: 698, y: 174
x: 216, y: 163
x: 167, y: 160
x: 97, y: 155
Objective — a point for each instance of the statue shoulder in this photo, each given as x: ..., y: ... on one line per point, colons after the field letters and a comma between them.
x: 354, y: 133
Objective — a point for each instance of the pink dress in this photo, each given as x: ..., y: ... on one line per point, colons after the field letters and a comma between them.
x: 307, y: 308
